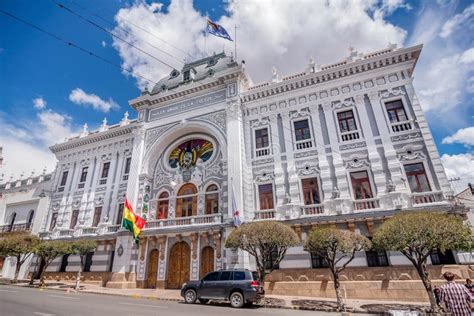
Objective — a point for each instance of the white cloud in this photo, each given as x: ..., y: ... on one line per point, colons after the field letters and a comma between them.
x: 104, y: 44
x: 80, y: 97
x: 459, y: 166
x: 463, y: 136
x: 285, y: 36
x: 464, y: 18
x: 39, y: 103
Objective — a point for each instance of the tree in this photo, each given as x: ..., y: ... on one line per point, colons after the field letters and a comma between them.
x: 338, y: 248
x: 266, y: 241
x: 82, y: 248
x: 417, y: 235
x: 50, y: 250
x: 19, y: 245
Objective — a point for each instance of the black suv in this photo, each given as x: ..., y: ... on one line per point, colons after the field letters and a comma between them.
x: 239, y: 286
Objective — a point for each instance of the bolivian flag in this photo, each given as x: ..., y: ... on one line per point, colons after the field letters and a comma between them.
x: 131, y: 221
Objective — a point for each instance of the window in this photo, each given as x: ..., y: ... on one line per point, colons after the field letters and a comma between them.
x: 127, y: 165
x: 417, y: 178
x: 54, y: 218
x: 120, y: 214
x: 265, y: 192
x: 396, y: 112
x: 187, y: 201
x: 186, y: 75
x: 105, y: 170
x: 225, y: 276
x: 213, y: 276
x: 31, y: 215
x: 437, y: 257
x: 302, y: 130
x: 310, y: 191
x: 317, y: 261
x: 74, y: 216
x: 84, y: 174
x: 347, y: 121
x: 212, y: 199
x: 163, y: 204
x: 261, y: 138
x: 96, y: 219
x: 361, y: 185
x: 239, y: 275
x: 64, y: 179
x: 376, y: 258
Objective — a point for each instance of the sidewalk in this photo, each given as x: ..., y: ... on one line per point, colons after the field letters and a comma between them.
x: 271, y: 301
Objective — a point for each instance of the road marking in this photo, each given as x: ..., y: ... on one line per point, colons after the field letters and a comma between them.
x: 10, y: 291
x: 144, y: 305
x: 44, y: 314
x: 68, y: 298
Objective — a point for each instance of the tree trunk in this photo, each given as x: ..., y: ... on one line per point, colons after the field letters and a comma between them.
x: 17, y: 269
x: 42, y: 274
x: 421, y: 269
x: 78, y: 277
x: 337, y: 287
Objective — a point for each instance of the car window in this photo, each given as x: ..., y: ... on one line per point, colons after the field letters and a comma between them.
x: 213, y: 276
x: 239, y: 275
x: 225, y: 275
x: 255, y: 275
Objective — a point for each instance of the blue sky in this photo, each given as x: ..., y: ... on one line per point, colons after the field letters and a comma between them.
x: 76, y: 88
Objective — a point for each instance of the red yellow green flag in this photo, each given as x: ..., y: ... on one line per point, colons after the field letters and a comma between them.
x: 131, y: 221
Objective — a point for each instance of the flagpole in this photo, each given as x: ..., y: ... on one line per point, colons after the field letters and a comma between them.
x: 235, y: 42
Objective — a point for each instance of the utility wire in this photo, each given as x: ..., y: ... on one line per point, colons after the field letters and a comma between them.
x: 74, y: 45
x: 110, y: 33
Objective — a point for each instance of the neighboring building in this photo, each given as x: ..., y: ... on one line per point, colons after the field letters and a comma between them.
x: 345, y: 144
x: 23, y: 206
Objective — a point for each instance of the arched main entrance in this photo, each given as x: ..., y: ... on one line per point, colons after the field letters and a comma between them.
x: 207, y: 261
x: 179, y: 265
x: 152, y: 269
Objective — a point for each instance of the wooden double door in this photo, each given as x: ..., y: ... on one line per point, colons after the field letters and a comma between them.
x: 207, y: 261
x: 152, y: 269
x: 178, y: 265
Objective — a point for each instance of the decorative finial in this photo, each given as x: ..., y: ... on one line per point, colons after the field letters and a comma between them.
x: 84, y: 130
x: 125, y: 115
x: 104, y: 126
x: 125, y: 119
x: 274, y: 74
x: 104, y: 122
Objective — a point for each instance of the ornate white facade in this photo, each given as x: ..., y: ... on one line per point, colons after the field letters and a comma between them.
x: 344, y: 144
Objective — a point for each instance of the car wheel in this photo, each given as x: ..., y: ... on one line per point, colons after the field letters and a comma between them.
x: 203, y: 300
x: 236, y: 300
x: 190, y: 296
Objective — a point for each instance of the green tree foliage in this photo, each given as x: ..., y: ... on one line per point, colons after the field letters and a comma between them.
x: 18, y: 245
x: 417, y: 235
x: 50, y: 250
x: 266, y: 241
x: 82, y: 247
x: 338, y: 248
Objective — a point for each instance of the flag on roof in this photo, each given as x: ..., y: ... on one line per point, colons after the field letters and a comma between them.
x: 217, y: 30
x: 131, y: 221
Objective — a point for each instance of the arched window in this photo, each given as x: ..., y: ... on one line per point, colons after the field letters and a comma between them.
x: 212, y: 199
x: 187, y: 201
x: 163, y: 203
x: 12, y: 221
x: 31, y: 215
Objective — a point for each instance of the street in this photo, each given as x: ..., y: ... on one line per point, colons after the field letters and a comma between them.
x: 20, y: 301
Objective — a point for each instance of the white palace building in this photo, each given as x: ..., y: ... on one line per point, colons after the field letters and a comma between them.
x: 345, y: 144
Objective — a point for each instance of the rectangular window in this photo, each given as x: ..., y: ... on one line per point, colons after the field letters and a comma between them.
x: 127, y: 165
x: 96, y: 219
x: 186, y: 75
x: 75, y: 215
x: 265, y: 192
x: 84, y: 174
x: 310, y: 191
x: 120, y: 214
x: 54, y: 218
x: 376, y: 258
x: 225, y: 276
x: 239, y: 275
x: 261, y: 138
x: 302, y: 130
x: 396, y: 112
x: 417, y: 178
x: 64, y: 179
x: 347, y: 121
x: 361, y: 185
x: 105, y: 170
x: 318, y: 262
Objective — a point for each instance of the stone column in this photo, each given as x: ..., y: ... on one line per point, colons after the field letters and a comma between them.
x: 276, y: 152
x: 217, y: 237
x: 293, y: 179
x: 195, y: 256
x: 162, y: 241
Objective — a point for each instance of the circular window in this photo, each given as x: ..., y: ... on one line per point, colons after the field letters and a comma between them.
x: 188, y: 153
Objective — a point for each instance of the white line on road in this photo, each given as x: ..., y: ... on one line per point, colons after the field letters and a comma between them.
x: 68, y: 298
x: 44, y: 314
x: 157, y: 306
x: 10, y: 291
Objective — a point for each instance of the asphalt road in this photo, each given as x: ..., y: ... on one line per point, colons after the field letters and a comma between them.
x: 19, y: 301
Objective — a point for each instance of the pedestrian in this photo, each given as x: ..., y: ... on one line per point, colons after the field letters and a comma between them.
x: 469, y: 286
x: 456, y: 297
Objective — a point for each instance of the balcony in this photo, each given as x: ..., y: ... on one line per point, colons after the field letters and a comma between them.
x: 112, y: 229
x: 265, y: 214
x: 15, y: 227
x: 304, y: 144
x: 261, y: 152
x: 349, y: 136
x: 366, y: 204
x: 185, y: 221
x: 81, y: 185
x: 313, y: 209
x: 44, y: 235
x: 103, y: 181
x: 89, y: 231
x: 125, y: 177
x: 66, y: 233
x: 401, y: 126
x: 422, y: 198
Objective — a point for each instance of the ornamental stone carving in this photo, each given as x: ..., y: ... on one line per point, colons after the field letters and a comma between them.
x: 56, y: 205
x: 343, y: 104
x: 263, y: 121
x: 216, y: 118
x: 391, y: 92
x: 153, y: 134
x: 356, y: 161
x: 106, y: 157
x: 307, y: 168
x: 399, y: 138
x: 264, y: 176
x: 85, y: 162
x: 353, y: 146
x: 301, y: 113
x: 99, y: 200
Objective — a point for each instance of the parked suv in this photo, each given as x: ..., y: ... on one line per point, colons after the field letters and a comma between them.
x: 239, y: 286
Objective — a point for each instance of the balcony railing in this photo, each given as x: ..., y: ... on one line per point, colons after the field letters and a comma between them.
x: 265, y: 214
x: 401, y: 126
x: 185, y: 221
x: 66, y: 233
x: 113, y: 229
x: 102, y: 181
x: 15, y: 227
x: 348, y: 136
x: 304, y: 144
x: 366, y: 204
x: 262, y: 152
x: 81, y: 185
x: 314, y: 209
x: 427, y: 197
x: 44, y: 234
x: 89, y: 231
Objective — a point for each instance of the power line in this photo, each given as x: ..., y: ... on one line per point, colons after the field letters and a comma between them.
x: 74, y: 45
x: 110, y: 33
